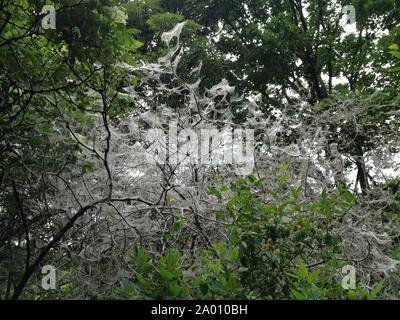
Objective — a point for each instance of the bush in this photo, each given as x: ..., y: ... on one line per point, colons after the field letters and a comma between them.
x: 272, y: 230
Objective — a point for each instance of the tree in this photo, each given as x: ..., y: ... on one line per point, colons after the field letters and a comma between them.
x: 47, y: 77
x: 103, y: 122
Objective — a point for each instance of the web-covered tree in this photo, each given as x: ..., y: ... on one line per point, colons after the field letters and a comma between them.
x: 79, y: 184
x: 47, y: 77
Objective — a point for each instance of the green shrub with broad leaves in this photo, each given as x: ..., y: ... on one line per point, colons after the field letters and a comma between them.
x: 271, y: 231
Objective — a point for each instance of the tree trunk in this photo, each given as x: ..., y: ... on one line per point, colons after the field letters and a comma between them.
x: 362, y: 174
x: 336, y: 165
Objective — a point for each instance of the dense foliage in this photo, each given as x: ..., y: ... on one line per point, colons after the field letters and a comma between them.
x: 83, y: 187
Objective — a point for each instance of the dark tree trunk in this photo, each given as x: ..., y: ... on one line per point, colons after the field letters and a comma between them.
x: 362, y: 173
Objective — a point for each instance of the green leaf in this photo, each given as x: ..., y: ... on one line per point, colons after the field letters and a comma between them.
x: 213, y: 191
x: 297, y: 295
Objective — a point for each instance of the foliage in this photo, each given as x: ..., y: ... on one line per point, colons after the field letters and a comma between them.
x: 264, y: 255
x: 169, y: 276
x: 88, y: 109
x: 325, y: 284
